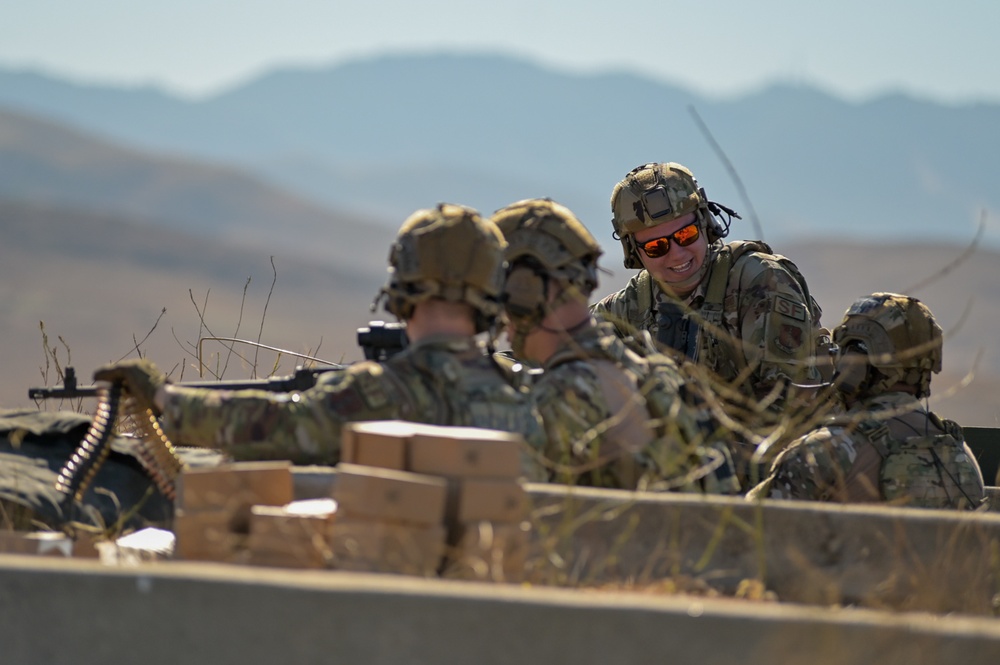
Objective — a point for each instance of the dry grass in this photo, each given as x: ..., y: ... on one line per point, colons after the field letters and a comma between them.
x: 614, y: 545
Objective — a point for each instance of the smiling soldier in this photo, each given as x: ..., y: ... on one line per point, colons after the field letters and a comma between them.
x: 735, y: 308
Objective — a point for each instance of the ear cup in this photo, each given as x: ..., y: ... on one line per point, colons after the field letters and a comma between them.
x: 525, y: 294
x: 713, y: 227
x: 851, y: 372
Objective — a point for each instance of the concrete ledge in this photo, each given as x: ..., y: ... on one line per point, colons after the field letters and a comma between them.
x: 76, y: 612
x: 875, y: 556
x: 807, y: 552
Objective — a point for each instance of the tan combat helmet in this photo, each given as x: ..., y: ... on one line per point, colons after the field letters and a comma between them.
x: 448, y: 252
x: 900, y: 337
x: 655, y: 193
x: 546, y: 243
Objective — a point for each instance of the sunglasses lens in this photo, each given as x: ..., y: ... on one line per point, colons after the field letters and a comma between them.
x: 657, y: 247
x: 687, y: 235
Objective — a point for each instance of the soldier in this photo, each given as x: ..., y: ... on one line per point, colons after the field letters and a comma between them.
x: 887, y: 447
x: 445, y: 281
x: 737, y: 308
x: 614, y: 418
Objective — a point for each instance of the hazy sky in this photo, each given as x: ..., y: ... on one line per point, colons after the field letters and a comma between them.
x: 855, y: 48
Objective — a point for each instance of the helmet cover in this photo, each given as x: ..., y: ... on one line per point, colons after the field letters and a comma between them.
x: 449, y: 252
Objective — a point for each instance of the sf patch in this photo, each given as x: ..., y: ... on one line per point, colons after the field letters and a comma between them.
x: 790, y: 308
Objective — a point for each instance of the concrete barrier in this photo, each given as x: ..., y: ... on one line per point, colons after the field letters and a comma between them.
x: 814, y: 553
x: 806, y: 552
x: 875, y: 556
x: 78, y: 613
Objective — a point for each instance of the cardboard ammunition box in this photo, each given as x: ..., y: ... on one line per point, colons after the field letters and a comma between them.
x: 465, y: 452
x: 385, y: 494
x: 295, y: 530
x: 46, y: 543
x: 207, y: 489
x: 207, y: 535
x: 235, y: 488
x: 381, y: 547
x: 380, y: 443
x: 488, y: 551
x: 477, y: 499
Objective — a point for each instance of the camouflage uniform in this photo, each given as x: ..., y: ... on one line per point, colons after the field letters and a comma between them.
x: 623, y: 416
x: 441, y: 381
x: 448, y: 254
x: 750, y: 318
x: 886, y: 448
x: 766, y: 321
x: 614, y: 416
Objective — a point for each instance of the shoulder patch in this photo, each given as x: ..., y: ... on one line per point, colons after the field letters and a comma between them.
x: 790, y: 308
x: 789, y: 338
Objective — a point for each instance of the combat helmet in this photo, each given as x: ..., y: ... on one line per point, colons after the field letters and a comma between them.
x: 900, y: 338
x: 448, y: 252
x: 660, y: 192
x: 545, y: 243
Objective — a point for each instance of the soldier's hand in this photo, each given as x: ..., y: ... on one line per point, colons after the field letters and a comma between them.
x: 141, y: 379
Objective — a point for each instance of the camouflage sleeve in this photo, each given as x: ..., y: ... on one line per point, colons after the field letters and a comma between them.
x: 302, y: 427
x: 813, y: 468
x: 600, y: 433
x: 569, y: 403
x: 775, y: 323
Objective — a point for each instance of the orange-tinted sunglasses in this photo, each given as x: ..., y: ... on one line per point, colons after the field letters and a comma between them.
x: 683, y: 236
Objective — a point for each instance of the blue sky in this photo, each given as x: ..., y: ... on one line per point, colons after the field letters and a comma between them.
x: 853, y: 48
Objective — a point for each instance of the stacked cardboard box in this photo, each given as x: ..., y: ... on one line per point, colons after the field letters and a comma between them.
x: 408, y: 493
x: 388, y: 521
x: 295, y: 535
x: 213, y: 507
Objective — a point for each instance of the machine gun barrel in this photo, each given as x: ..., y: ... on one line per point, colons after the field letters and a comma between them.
x: 379, y: 340
x: 303, y: 379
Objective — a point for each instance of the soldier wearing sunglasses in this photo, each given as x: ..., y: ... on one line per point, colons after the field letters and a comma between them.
x: 615, y: 416
x: 736, y: 308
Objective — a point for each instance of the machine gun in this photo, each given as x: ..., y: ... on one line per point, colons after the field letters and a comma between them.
x: 304, y: 378
x: 378, y: 340
x: 155, y: 452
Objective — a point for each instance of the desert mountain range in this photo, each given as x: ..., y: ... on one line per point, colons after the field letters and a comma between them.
x: 116, y: 204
